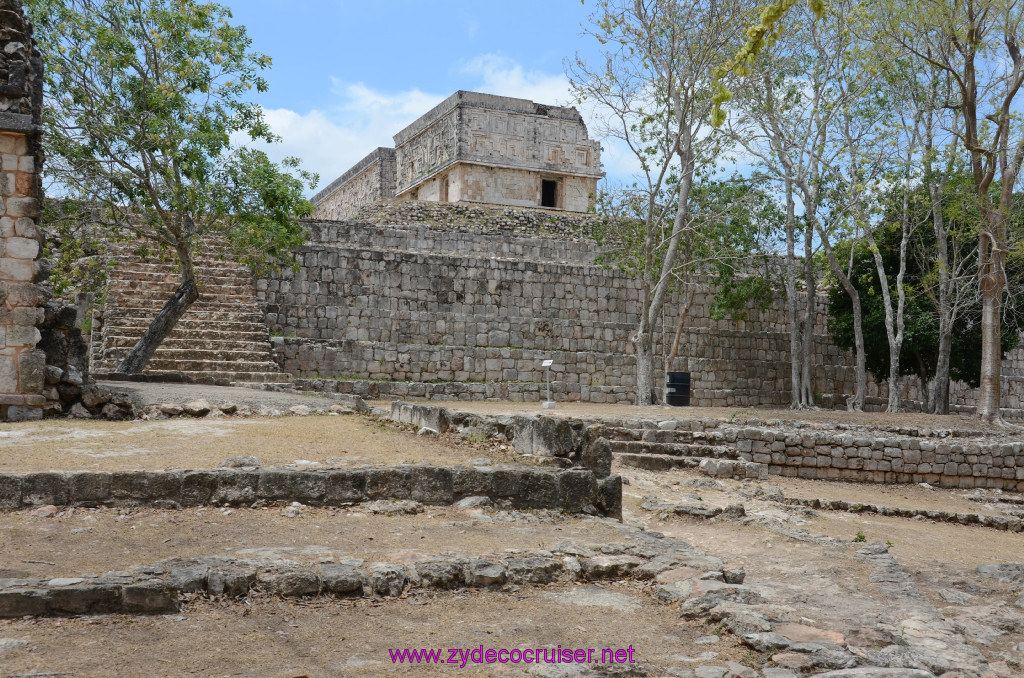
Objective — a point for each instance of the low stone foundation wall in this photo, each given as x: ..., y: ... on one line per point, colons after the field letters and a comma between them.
x: 511, y: 391
x: 571, y: 491
x: 869, y: 457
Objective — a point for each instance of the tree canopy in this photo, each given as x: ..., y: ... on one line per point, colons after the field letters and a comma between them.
x: 147, y: 104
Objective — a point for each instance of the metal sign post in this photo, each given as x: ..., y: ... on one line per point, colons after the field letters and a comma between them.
x: 549, y: 404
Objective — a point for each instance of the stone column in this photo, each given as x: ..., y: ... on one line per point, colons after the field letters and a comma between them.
x: 22, y: 366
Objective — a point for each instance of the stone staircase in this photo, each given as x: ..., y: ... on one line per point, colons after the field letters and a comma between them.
x: 221, y: 339
x: 656, y: 449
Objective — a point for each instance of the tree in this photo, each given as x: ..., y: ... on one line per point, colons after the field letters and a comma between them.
x: 977, y: 43
x: 806, y: 118
x: 730, y: 244
x: 654, y: 85
x: 143, y: 100
x: 921, y: 350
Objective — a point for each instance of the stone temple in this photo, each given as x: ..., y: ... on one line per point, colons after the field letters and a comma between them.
x: 477, y: 148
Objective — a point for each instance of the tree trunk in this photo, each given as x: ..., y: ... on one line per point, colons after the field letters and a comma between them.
x: 793, y: 315
x: 940, y: 396
x: 186, y: 294
x: 810, y: 310
x: 991, y: 351
x: 644, y: 368
x: 684, y: 311
x: 856, y: 403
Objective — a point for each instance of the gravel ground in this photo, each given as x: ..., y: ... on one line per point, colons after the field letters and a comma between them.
x: 143, y: 393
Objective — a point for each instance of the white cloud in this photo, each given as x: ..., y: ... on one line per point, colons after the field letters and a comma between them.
x: 503, y: 76
x: 362, y: 118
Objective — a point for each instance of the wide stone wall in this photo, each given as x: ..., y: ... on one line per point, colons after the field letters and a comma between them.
x: 22, y: 366
x: 470, y: 306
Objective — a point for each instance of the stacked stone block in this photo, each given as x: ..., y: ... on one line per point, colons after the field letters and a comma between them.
x: 457, y: 302
x: 22, y: 366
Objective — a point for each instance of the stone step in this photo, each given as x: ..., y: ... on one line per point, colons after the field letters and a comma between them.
x: 146, y: 315
x: 656, y: 462
x: 200, y: 364
x: 128, y: 277
x: 131, y: 307
x: 673, y: 449
x: 653, y: 435
x: 122, y: 336
x: 220, y: 378
x: 205, y: 353
x: 187, y: 341
x: 161, y: 293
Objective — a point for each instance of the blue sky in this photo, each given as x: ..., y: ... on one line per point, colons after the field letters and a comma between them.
x: 347, y: 75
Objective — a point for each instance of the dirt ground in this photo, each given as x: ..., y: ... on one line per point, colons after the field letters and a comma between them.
x: 351, y: 638
x: 331, y: 441
x: 803, y: 562
x: 735, y: 414
x: 103, y: 540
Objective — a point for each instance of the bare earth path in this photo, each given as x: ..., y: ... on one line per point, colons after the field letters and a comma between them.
x: 926, y: 594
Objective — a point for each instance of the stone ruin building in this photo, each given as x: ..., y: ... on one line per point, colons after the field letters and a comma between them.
x: 400, y: 294
x: 477, y: 148
x: 22, y: 365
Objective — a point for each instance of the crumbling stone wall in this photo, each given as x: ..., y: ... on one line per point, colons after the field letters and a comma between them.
x: 22, y: 366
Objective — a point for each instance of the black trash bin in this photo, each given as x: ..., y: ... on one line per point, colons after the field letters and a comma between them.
x: 678, y: 393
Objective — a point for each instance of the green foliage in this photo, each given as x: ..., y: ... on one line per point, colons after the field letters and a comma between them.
x: 919, y: 352
x: 860, y: 537
x: 729, y: 239
x: 145, y: 102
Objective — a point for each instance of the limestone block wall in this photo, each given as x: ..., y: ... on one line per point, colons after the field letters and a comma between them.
x: 496, y: 150
x: 425, y: 148
x: 370, y: 180
x: 22, y: 366
x: 870, y: 457
x: 520, y: 134
x: 475, y: 305
x: 505, y: 186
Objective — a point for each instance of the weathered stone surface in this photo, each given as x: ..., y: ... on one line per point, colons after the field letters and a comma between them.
x: 10, y: 491
x: 609, y: 567
x: 432, y: 485
x: 19, y: 602
x: 442, y: 574
x: 598, y: 457
x: 345, y: 486
x: 38, y: 489
x: 235, y: 487
x: 387, y: 580
x: 341, y: 579
x: 93, y: 597
x: 231, y: 581
x: 577, y: 491
x: 479, y: 572
x: 533, y: 570
x: 149, y: 598
x: 290, y: 583
x: 90, y: 488
x: 197, y: 408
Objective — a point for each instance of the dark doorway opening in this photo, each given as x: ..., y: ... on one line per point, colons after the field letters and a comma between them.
x: 548, y: 193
